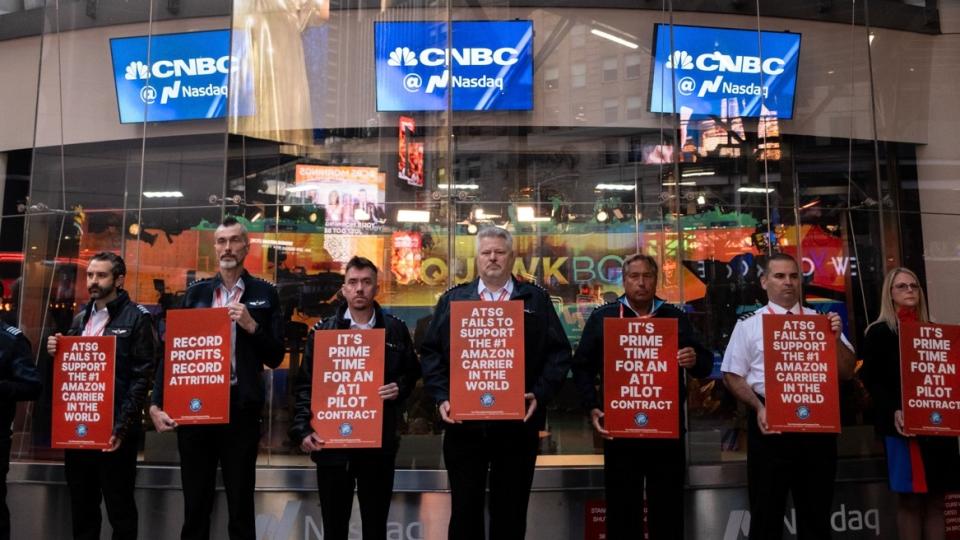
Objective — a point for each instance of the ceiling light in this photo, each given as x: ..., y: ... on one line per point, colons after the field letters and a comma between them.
x: 615, y: 187
x: 701, y: 200
x: 472, y: 228
x: 526, y: 213
x: 602, y: 216
x: 162, y: 194
x: 413, y: 216
x: 688, y: 174
x: 286, y: 208
x: 748, y: 189
x: 256, y: 216
x: 458, y: 186
x: 613, y: 38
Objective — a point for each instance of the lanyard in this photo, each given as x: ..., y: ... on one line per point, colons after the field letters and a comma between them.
x: 234, y: 296
x: 90, y: 330
x: 772, y: 312
x: 500, y: 298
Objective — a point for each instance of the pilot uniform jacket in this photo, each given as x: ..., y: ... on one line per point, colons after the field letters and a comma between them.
x: 546, y: 348
x: 588, y: 360
x: 18, y: 375
x: 253, y: 351
x: 400, y: 366
x: 138, y: 352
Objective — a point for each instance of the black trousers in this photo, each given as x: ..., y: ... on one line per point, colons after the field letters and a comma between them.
x: 371, y: 472
x: 4, y: 469
x: 92, y: 475
x: 802, y: 463
x: 508, y: 451
x: 629, y: 466
x: 234, y: 447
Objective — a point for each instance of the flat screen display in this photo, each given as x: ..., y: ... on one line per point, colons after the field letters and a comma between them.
x: 724, y: 72
x: 488, y: 67
x: 163, y: 78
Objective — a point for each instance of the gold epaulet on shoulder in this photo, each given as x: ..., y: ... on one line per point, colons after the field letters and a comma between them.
x: 746, y: 316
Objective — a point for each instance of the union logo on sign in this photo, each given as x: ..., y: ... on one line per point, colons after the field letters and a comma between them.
x: 346, y: 429
x: 936, y: 418
x: 195, y: 405
x: 803, y: 412
x: 487, y: 400
x: 81, y: 430
x: 641, y: 419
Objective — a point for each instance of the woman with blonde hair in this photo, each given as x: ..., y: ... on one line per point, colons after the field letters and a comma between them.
x: 921, y: 469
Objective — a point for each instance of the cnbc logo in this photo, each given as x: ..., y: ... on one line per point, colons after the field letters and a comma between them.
x: 175, y: 77
x: 717, y: 62
x: 405, y: 57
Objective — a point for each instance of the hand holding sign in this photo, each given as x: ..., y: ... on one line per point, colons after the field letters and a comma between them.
x: 687, y: 357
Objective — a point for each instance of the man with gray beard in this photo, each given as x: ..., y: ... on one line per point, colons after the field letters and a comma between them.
x: 254, y: 308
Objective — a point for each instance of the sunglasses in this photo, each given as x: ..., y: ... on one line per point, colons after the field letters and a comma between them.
x: 905, y: 286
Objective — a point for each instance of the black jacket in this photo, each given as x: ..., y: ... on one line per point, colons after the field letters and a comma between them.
x: 401, y: 367
x: 546, y: 348
x: 253, y: 351
x: 880, y: 374
x: 588, y: 360
x: 18, y: 375
x: 137, y: 354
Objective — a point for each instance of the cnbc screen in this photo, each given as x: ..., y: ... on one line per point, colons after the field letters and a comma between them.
x: 488, y: 67
x: 723, y: 72
x: 186, y: 76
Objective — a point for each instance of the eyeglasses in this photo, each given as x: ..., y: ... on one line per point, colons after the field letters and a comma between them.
x: 905, y: 286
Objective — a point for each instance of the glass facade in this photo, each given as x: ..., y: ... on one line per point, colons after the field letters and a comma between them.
x: 853, y: 174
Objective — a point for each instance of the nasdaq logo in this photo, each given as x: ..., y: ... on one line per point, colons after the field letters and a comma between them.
x: 489, y: 66
x: 180, y: 76
x: 723, y: 72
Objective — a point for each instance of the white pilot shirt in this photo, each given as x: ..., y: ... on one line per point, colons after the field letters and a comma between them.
x: 744, y: 354
x: 357, y: 326
x: 502, y: 294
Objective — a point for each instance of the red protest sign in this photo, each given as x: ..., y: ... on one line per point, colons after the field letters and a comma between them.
x: 929, y: 382
x: 348, y: 370
x: 486, y: 360
x: 595, y: 519
x: 800, y: 373
x: 951, y: 515
x: 83, y: 392
x: 196, y: 370
x: 641, y: 390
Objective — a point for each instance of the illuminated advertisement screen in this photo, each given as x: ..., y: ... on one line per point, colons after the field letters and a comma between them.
x: 723, y: 72
x: 352, y: 197
x: 490, y: 66
x: 170, y: 77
